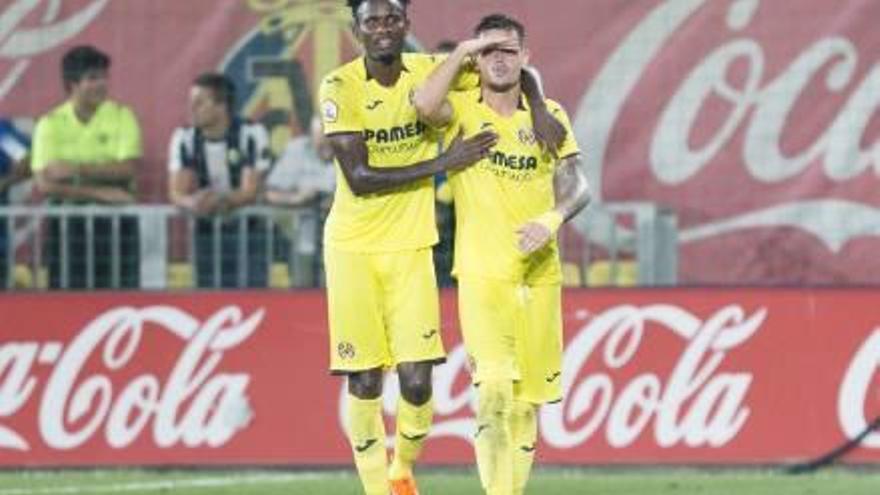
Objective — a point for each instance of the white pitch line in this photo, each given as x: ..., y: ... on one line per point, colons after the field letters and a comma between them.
x: 166, y: 485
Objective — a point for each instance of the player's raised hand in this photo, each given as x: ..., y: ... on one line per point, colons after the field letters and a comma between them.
x: 463, y: 153
x: 549, y: 132
x: 532, y: 237
x: 479, y: 44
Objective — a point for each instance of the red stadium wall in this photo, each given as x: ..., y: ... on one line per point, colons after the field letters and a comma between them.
x: 736, y: 376
x: 754, y: 120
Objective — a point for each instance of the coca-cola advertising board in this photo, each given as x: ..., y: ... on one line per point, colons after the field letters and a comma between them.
x: 650, y: 376
x: 755, y: 121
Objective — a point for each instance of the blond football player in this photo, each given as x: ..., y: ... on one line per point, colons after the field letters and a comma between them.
x: 509, y: 207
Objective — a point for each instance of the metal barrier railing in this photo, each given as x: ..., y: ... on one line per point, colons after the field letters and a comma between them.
x: 162, y: 247
x: 635, y: 242
x: 150, y: 246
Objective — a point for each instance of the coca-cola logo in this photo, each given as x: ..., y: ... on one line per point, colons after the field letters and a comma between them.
x: 19, y: 42
x: 852, y: 401
x: 194, y: 405
x: 694, y: 405
x: 740, y: 128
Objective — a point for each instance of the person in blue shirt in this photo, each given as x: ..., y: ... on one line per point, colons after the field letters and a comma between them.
x: 14, y: 151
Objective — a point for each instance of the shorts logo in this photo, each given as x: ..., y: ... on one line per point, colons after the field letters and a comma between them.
x: 366, y: 445
x: 345, y: 350
x: 330, y: 111
x: 552, y: 378
x: 526, y: 137
x: 430, y: 334
x: 413, y: 438
x: 480, y: 430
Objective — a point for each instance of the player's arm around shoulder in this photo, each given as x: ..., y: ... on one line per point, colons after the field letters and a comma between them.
x: 570, y: 187
x: 549, y: 131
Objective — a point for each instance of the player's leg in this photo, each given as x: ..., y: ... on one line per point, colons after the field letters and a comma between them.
x: 413, y: 316
x: 489, y: 312
x: 415, y: 414
x: 358, y: 349
x: 524, y: 433
x: 366, y: 430
x: 539, y: 356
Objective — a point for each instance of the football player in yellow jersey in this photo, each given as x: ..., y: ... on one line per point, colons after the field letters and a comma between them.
x: 508, y: 208
x: 381, y: 287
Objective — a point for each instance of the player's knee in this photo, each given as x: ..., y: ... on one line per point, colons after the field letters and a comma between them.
x: 365, y: 384
x: 416, y: 389
x: 495, y: 401
x: 524, y: 411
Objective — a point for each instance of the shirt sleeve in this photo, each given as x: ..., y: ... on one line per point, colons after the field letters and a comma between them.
x: 263, y: 157
x: 44, y: 144
x: 175, y: 151
x: 569, y: 146
x: 130, y: 145
x: 12, y: 143
x: 340, y: 111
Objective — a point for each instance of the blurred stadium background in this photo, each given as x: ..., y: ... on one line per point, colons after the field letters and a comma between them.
x: 722, y: 291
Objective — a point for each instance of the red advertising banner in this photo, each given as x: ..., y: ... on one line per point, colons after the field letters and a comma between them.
x: 660, y: 376
x: 756, y: 121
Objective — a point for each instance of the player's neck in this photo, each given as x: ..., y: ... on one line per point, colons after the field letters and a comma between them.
x: 216, y: 130
x: 84, y: 110
x: 504, y: 102
x: 385, y: 72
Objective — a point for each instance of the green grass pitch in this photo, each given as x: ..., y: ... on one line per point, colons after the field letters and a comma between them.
x: 459, y: 482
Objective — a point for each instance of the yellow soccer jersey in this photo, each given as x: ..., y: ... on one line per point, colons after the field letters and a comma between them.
x: 112, y: 135
x: 351, y: 101
x: 499, y: 194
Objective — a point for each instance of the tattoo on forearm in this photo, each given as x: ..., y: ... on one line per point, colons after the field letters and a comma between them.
x: 570, y: 187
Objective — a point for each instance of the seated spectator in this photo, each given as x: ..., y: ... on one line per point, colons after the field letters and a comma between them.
x: 304, y: 173
x: 86, y: 151
x: 215, y: 167
x: 304, y: 177
x: 14, y: 168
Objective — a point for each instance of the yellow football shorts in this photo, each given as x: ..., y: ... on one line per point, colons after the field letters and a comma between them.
x: 513, y: 331
x: 383, y: 309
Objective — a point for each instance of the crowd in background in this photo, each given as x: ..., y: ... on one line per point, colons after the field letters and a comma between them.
x: 87, y: 151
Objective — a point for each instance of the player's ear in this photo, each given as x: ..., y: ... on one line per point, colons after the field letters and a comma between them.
x: 525, y: 56
x: 356, y: 30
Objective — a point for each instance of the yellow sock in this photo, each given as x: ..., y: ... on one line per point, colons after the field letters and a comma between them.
x: 524, y: 432
x: 366, y: 433
x: 492, y: 441
x: 413, y: 425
